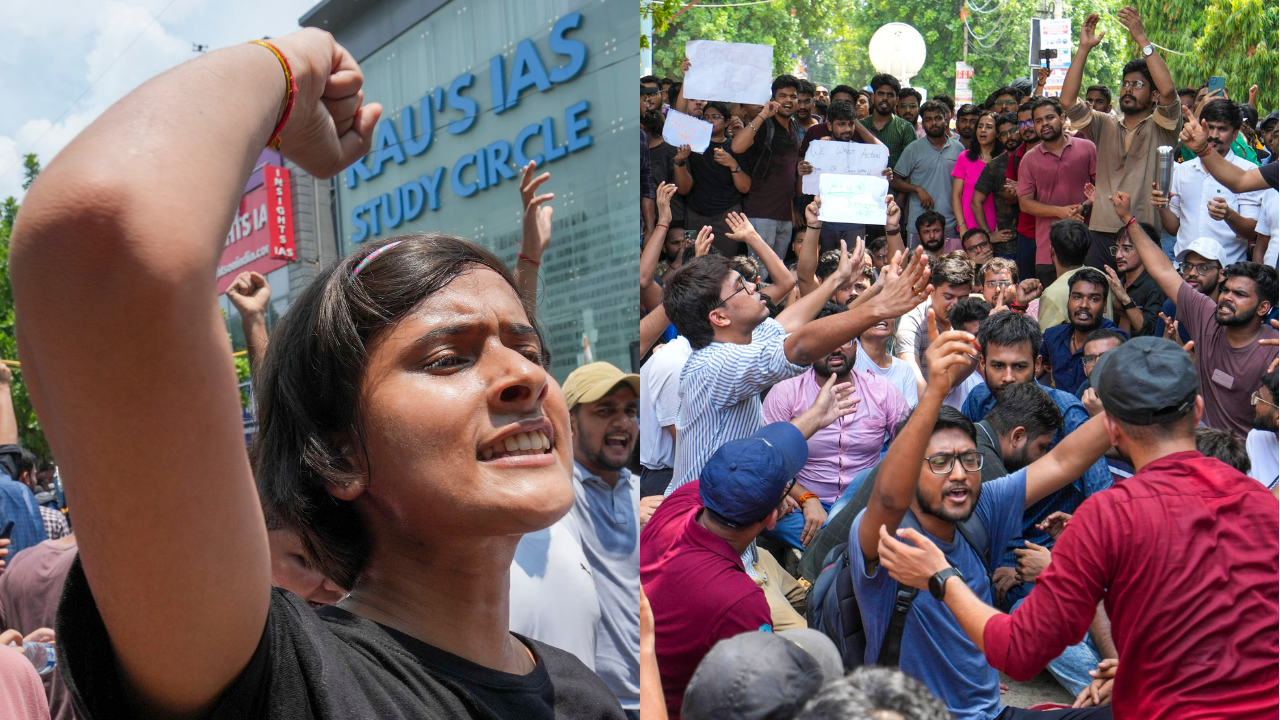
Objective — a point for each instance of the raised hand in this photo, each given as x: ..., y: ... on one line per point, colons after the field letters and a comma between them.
x: 856, y: 258
x: 1118, y: 293
x: 947, y: 355
x: 770, y: 108
x: 1090, y: 36
x: 6, y: 376
x: 249, y: 293
x: 1054, y: 524
x: 733, y: 124
x: 684, y: 66
x: 536, y: 232
x: 330, y: 127
x: 664, y: 193
x: 811, y: 212
x: 1121, y: 202
x: 1132, y: 21
x: 741, y: 229
x: 1042, y: 76
x: 1027, y: 290
x: 702, y: 243
x: 683, y: 152
x: 1193, y: 134
x: 893, y: 215
x: 1253, y: 95
x: 834, y: 401
x: 904, y: 287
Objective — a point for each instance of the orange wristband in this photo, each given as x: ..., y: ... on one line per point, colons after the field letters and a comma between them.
x: 290, y: 92
x: 807, y: 496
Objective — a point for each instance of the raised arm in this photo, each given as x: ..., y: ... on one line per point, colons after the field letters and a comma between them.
x: 799, y: 313
x: 900, y: 470
x: 743, y: 139
x: 1237, y: 180
x: 181, y: 573
x: 8, y: 420
x: 893, y: 227
x: 1154, y: 261
x: 1067, y: 461
x: 1090, y: 36
x: 1160, y: 77
x: 650, y: 293
x: 743, y: 231
x: 250, y: 294
x: 807, y: 255
x: 535, y: 232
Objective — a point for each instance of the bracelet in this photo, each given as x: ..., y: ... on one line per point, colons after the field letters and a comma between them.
x: 1132, y: 220
x: 806, y: 496
x: 1203, y: 152
x: 290, y: 92
x: 1129, y: 305
x: 521, y: 256
x: 661, y: 225
x: 894, y: 231
x: 1017, y: 308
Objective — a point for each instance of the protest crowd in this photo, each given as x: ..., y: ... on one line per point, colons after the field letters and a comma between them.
x: 932, y: 394
x: 491, y: 570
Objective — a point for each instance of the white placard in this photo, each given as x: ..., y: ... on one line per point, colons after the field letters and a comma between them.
x: 843, y: 158
x: 681, y: 129
x: 732, y: 72
x: 1055, y: 34
x: 853, y: 199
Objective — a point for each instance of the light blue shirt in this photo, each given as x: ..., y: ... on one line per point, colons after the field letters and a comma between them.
x: 609, y: 520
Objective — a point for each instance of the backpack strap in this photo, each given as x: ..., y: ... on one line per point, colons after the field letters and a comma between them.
x: 975, y: 533
x: 767, y: 150
x: 891, y: 648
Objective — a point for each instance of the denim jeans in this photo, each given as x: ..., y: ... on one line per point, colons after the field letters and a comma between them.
x: 776, y: 234
x: 1071, y: 668
x: 790, y: 527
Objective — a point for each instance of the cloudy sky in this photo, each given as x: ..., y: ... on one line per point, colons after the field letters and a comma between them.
x: 65, y: 61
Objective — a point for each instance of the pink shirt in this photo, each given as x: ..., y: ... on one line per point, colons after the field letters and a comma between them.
x: 851, y: 443
x: 1056, y: 180
x: 968, y: 171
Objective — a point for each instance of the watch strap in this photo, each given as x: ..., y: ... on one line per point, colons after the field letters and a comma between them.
x: 938, y: 583
x: 1129, y: 305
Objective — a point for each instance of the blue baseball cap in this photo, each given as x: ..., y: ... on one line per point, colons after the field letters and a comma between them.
x: 745, y: 479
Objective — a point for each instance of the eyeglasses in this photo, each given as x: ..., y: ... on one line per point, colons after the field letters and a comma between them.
x: 742, y: 287
x: 1027, y: 123
x: 1004, y: 103
x: 1091, y: 359
x: 984, y: 245
x: 1115, y: 249
x: 1199, y: 268
x: 1256, y: 398
x: 712, y: 118
x: 908, y: 106
x: 1134, y: 84
x: 1011, y: 132
x: 996, y: 284
x: 943, y: 463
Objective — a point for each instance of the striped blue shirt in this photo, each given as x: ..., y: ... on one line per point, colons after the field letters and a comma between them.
x: 19, y: 505
x: 720, y: 388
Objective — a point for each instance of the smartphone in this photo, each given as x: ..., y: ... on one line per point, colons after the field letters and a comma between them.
x: 1216, y: 83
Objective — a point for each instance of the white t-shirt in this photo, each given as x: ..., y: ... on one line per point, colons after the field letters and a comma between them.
x: 901, y: 375
x: 660, y: 403
x: 1269, y: 225
x: 1264, y: 456
x: 960, y: 392
x: 1192, y: 190
x: 553, y: 593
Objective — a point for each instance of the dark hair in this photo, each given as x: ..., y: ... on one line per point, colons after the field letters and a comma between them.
x: 971, y: 232
x: 929, y: 217
x: 968, y: 109
x: 883, y: 79
x: 805, y: 88
x: 1105, y: 334
x: 946, y: 100
x: 1150, y: 231
x: 1010, y: 329
x: 1028, y: 406
x: 1188, y: 91
x: 308, y: 387
x: 721, y: 106
x: 949, y: 418
x: 828, y: 262
x: 876, y: 243
x: 967, y: 310
x: 829, y: 309
x: 1223, y: 445
x: 1006, y: 90
x: 647, y: 79
x: 1090, y: 275
x: 1070, y: 240
x: 1223, y: 111
x: 1139, y: 65
x: 1025, y: 106
x: 933, y: 106
x: 691, y: 292
x: 975, y: 148
x: 839, y: 110
x: 652, y: 122
x: 868, y: 692
x: 1040, y: 102
x: 910, y: 91
x: 673, y: 93
x: 847, y: 90
x: 26, y: 463
x: 1263, y: 276
x: 1269, y: 382
x: 1250, y: 115
x: 954, y: 268
x: 784, y: 81
x: 1006, y: 119
x: 1106, y: 91
x: 748, y: 267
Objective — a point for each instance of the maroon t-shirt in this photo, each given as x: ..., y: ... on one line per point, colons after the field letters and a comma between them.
x: 1185, y: 559
x: 1228, y: 376
x: 773, y: 170
x: 29, y: 592
x: 698, y: 588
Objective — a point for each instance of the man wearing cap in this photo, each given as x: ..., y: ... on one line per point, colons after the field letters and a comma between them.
x: 603, y: 416
x: 1183, y: 555
x: 932, y: 473
x: 756, y: 675
x: 1229, y: 358
x: 691, y: 549
x: 1200, y: 264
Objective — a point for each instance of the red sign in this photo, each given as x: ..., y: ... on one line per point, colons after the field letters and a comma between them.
x: 261, y: 234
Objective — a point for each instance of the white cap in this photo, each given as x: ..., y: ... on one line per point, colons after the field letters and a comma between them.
x: 1208, y: 248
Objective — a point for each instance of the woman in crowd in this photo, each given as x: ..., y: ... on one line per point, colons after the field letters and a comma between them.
x: 968, y: 168
x: 712, y: 182
x: 409, y: 431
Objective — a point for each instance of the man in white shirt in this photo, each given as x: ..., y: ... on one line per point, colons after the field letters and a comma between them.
x: 1200, y: 206
x: 659, y: 409
x: 1264, y: 451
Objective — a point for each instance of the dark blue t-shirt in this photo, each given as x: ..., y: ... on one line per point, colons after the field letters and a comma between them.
x: 935, y: 649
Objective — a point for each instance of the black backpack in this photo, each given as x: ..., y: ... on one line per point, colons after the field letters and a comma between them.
x: 833, y: 608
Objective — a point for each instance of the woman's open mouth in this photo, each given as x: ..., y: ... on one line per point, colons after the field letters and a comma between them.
x: 535, y: 442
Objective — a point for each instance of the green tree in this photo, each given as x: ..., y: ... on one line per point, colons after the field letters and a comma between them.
x: 30, y: 435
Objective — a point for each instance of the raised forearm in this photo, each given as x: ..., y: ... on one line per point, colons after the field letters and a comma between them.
x: 779, y: 275
x: 747, y: 135
x: 1075, y: 76
x: 255, y: 332
x: 818, y: 338
x: 1075, y: 454
x: 1154, y: 261
x: 799, y: 313
x: 807, y: 259
x: 8, y: 420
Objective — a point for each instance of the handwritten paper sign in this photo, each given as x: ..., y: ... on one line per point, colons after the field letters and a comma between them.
x: 681, y: 129
x: 853, y: 199
x: 732, y: 72
x: 843, y: 158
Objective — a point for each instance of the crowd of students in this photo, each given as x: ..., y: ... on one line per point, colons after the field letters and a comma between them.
x: 1047, y: 376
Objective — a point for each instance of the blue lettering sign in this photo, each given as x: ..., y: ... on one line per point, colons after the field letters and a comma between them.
x: 431, y: 183
x: 526, y: 71
x: 574, y: 49
x: 417, y: 142
x: 458, y: 101
x: 386, y: 146
x: 518, y: 148
x: 412, y: 195
x: 455, y: 177
x: 573, y: 124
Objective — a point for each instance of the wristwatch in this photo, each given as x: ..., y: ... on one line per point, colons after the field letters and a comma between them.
x: 937, y: 583
x: 1148, y: 50
x: 736, y: 170
x: 1129, y: 305
x: 679, y: 163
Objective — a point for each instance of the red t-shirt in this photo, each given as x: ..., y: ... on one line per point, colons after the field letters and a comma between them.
x: 698, y: 588
x: 1184, y: 556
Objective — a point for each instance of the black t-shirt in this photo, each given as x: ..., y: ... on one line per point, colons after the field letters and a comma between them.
x: 713, y: 189
x: 332, y: 665
x: 1270, y: 173
x: 773, y: 169
x: 661, y: 163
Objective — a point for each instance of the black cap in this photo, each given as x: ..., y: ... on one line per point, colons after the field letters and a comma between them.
x: 1146, y: 381
x: 752, y: 676
x: 1273, y: 117
x: 650, y: 89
